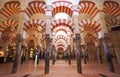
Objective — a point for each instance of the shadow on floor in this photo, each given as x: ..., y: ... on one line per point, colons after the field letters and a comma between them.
x: 26, y: 75
x: 102, y: 75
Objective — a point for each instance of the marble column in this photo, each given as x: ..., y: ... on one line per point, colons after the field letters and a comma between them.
x: 106, y: 49
x: 113, y: 49
x: 53, y: 55
x: 78, y: 55
x: 47, y: 37
x: 99, y: 54
x: 84, y: 54
x: 69, y: 54
x: 38, y: 49
x: 23, y: 54
x: 17, y: 55
x: 116, y: 41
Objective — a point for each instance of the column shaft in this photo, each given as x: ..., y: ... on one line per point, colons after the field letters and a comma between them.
x: 69, y: 54
x: 78, y: 55
x: 108, y: 57
x: 19, y: 44
x: 53, y: 55
x: 47, y: 53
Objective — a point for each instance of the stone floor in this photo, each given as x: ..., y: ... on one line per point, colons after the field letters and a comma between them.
x: 60, y: 69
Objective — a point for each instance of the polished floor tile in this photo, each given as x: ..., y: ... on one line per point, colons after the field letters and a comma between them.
x: 60, y: 69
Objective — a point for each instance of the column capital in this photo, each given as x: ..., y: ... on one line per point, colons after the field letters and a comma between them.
x: 69, y: 46
x: 83, y: 46
x: 106, y: 37
x: 19, y: 38
x: 38, y: 47
x: 47, y: 37
x: 48, y: 17
x: 49, y: 7
x: 53, y: 47
x: 75, y: 9
x: 77, y: 36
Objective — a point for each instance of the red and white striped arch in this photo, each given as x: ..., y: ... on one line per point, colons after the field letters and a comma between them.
x: 61, y: 28
x: 111, y: 22
x: 62, y: 22
x: 112, y: 7
x: 62, y: 3
x: 62, y: 6
x: 11, y: 24
x: 31, y: 38
x: 88, y: 7
x: 35, y: 7
x: 61, y: 41
x: 10, y: 8
x: 61, y: 37
x: 34, y: 24
x: 31, y: 28
x: 61, y: 44
x: 90, y: 26
x: 90, y: 38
